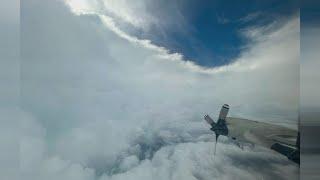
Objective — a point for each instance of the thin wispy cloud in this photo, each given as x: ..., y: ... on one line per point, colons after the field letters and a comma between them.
x: 250, y: 17
x: 222, y: 19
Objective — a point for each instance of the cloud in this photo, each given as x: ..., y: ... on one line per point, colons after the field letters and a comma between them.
x: 136, y: 14
x: 222, y: 19
x: 35, y: 162
x: 194, y: 161
x: 250, y: 17
x: 100, y: 103
x: 309, y: 63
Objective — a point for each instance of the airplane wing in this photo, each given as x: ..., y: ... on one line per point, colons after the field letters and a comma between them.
x: 278, y: 138
x: 260, y: 133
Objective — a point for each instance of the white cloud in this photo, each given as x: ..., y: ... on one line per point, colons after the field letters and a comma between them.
x: 250, y: 17
x: 192, y: 161
x: 82, y: 6
x: 133, y: 13
x: 107, y: 105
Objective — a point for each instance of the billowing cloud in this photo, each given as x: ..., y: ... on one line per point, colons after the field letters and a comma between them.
x: 102, y: 104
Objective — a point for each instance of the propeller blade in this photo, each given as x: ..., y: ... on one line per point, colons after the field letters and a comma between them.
x: 224, y: 112
x: 215, y: 146
x: 208, y: 119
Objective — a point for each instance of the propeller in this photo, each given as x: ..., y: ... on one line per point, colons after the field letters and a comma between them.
x: 213, y: 124
x: 219, y: 127
x: 215, y: 145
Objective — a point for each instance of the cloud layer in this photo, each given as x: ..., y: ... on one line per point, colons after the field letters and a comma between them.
x: 99, y: 103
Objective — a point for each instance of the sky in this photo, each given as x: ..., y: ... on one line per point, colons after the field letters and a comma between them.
x: 210, y: 32
x: 111, y: 90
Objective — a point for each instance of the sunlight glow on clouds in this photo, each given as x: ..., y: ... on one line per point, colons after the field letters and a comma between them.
x: 82, y: 6
x: 131, y: 12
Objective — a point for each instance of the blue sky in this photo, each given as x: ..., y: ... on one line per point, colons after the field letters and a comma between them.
x: 310, y: 13
x: 211, y: 34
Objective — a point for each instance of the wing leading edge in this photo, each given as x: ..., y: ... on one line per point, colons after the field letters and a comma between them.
x: 260, y: 133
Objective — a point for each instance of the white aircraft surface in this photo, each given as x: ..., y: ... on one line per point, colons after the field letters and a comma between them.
x: 283, y: 140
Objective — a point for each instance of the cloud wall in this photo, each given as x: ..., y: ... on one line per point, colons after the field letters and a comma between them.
x: 98, y: 103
